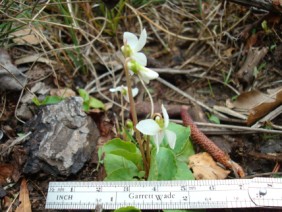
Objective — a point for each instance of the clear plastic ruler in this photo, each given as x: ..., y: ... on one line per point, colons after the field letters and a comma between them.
x: 194, y: 194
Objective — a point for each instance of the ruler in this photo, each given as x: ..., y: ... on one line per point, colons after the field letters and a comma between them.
x: 194, y: 194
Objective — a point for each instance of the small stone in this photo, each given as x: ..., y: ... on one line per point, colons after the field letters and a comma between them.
x: 63, y: 138
x: 3, y: 193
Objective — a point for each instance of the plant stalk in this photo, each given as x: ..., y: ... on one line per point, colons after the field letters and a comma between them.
x: 134, y: 116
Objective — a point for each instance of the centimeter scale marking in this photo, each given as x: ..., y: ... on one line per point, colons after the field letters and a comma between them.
x: 238, y: 193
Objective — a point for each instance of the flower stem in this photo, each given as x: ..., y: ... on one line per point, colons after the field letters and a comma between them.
x: 150, y: 97
x: 203, y: 141
x: 134, y: 116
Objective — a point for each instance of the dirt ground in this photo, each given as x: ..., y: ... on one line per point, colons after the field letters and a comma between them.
x: 221, y: 59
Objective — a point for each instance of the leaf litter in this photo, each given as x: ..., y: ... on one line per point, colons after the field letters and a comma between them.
x: 181, y: 37
x: 256, y: 104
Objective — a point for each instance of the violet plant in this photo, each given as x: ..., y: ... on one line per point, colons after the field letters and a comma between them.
x: 157, y: 149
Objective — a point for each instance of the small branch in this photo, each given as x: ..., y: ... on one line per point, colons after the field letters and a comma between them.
x: 191, y: 98
x: 202, y: 140
x: 270, y: 157
x: 268, y: 5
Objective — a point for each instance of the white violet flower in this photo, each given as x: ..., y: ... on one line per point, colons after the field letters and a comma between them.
x: 158, y: 129
x: 132, y: 46
x: 124, y: 91
x: 144, y: 73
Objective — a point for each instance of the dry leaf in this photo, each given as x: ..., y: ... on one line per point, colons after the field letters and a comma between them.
x: 25, y: 205
x: 62, y: 92
x: 277, y: 2
x: 25, y: 36
x: 229, y: 52
x: 251, y: 41
x: 256, y: 104
x: 205, y: 168
x: 11, y: 77
x: 6, y: 172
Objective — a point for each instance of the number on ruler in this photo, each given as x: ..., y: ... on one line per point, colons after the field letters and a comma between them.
x: 183, y: 188
x: 126, y: 188
x: 98, y: 189
x: 51, y: 189
x: 61, y: 189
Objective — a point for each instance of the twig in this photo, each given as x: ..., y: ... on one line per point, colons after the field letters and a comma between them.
x: 202, y: 140
x: 270, y: 157
x: 192, y: 99
x: 233, y: 128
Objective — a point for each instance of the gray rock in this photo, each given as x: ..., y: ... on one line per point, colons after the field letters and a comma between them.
x: 63, y: 138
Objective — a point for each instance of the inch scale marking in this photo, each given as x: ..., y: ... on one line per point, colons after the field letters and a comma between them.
x: 239, y: 193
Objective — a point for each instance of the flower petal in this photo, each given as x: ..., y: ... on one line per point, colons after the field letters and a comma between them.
x: 135, y: 91
x: 116, y: 89
x: 148, y: 127
x: 158, y: 138
x: 140, y: 58
x: 142, y: 41
x: 147, y: 74
x: 171, y: 138
x: 130, y: 39
x: 166, y: 118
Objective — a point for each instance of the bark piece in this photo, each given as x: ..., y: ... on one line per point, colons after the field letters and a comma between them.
x: 246, y: 73
x: 268, y: 5
x: 62, y: 140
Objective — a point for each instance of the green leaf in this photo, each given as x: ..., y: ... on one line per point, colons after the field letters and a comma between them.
x: 183, y: 172
x: 95, y: 103
x: 51, y: 100
x: 125, y: 149
x: 84, y: 94
x: 119, y: 168
x: 186, y: 152
x: 183, y: 147
x: 47, y: 101
x: 117, y: 143
x: 134, y: 157
x: 264, y: 25
x: 36, y: 101
x: 86, y: 107
x: 127, y: 209
x: 163, y: 163
x: 153, y: 172
x: 214, y: 119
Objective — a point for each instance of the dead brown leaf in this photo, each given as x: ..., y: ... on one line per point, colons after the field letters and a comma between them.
x: 6, y: 172
x: 277, y: 2
x: 205, y: 168
x: 229, y: 52
x: 256, y: 104
x: 251, y: 42
x: 25, y: 205
x: 62, y: 92
x: 11, y: 77
x: 26, y: 36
